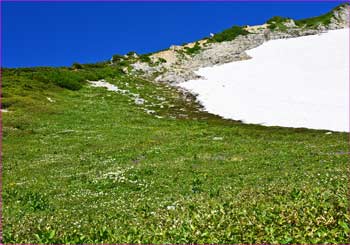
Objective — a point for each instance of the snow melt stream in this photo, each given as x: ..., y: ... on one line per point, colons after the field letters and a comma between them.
x: 298, y: 82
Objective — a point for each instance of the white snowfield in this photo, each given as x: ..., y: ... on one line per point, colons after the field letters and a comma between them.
x: 298, y: 82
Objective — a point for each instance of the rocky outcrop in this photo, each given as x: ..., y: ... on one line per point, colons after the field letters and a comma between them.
x: 340, y: 17
x: 180, y: 65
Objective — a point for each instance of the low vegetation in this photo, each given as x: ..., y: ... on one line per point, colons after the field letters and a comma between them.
x: 277, y: 23
x: 86, y: 165
x: 314, y: 22
x: 145, y: 58
x: 126, y: 61
x: 324, y: 19
x: 162, y: 60
x: 193, y: 50
x: 117, y: 58
x: 77, y: 66
x: 229, y: 34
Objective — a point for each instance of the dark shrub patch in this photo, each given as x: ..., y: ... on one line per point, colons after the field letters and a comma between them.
x: 194, y: 50
x: 229, y: 34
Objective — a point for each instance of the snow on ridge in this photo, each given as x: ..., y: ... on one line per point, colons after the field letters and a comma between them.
x: 298, y: 82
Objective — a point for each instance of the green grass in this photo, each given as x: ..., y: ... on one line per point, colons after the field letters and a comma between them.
x: 93, y: 167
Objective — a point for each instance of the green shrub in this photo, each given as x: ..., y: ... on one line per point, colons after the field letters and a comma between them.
x: 229, y: 34
x: 68, y: 83
x: 131, y: 53
x: 117, y: 58
x: 145, y: 58
x: 194, y: 50
x: 77, y: 66
x: 90, y: 75
x: 64, y: 79
x: 158, y: 62
x: 95, y: 65
x: 277, y: 19
x: 277, y: 22
x: 161, y: 60
x: 123, y: 63
x: 272, y: 26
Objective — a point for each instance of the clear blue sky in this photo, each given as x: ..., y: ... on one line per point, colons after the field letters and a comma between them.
x: 58, y: 34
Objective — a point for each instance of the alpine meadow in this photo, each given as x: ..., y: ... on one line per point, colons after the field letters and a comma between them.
x: 138, y: 148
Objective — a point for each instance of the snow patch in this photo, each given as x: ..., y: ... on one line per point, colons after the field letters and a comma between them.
x: 298, y: 82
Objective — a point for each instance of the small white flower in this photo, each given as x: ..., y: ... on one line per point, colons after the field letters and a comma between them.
x: 171, y: 207
x: 218, y: 138
x: 49, y: 99
x: 139, y: 101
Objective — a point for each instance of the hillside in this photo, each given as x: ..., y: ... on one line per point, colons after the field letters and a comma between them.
x: 113, y: 153
x: 179, y: 63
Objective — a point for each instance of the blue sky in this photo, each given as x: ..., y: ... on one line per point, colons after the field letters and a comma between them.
x: 60, y: 33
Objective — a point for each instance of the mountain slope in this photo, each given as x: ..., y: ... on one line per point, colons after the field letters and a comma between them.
x: 179, y: 63
x: 92, y: 166
x: 145, y: 163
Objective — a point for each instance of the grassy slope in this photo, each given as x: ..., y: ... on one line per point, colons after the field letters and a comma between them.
x: 94, y: 167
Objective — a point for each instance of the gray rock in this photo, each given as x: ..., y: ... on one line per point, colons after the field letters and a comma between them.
x: 211, y: 54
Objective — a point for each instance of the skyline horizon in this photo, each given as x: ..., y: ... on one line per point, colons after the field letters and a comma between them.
x: 66, y: 41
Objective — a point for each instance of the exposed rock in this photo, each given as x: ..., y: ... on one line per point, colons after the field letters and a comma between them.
x: 340, y: 17
x: 289, y: 23
x: 181, y: 66
x: 146, y: 68
x: 175, y: 48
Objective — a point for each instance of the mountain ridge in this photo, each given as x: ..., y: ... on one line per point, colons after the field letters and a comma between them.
x: 178, y: 63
